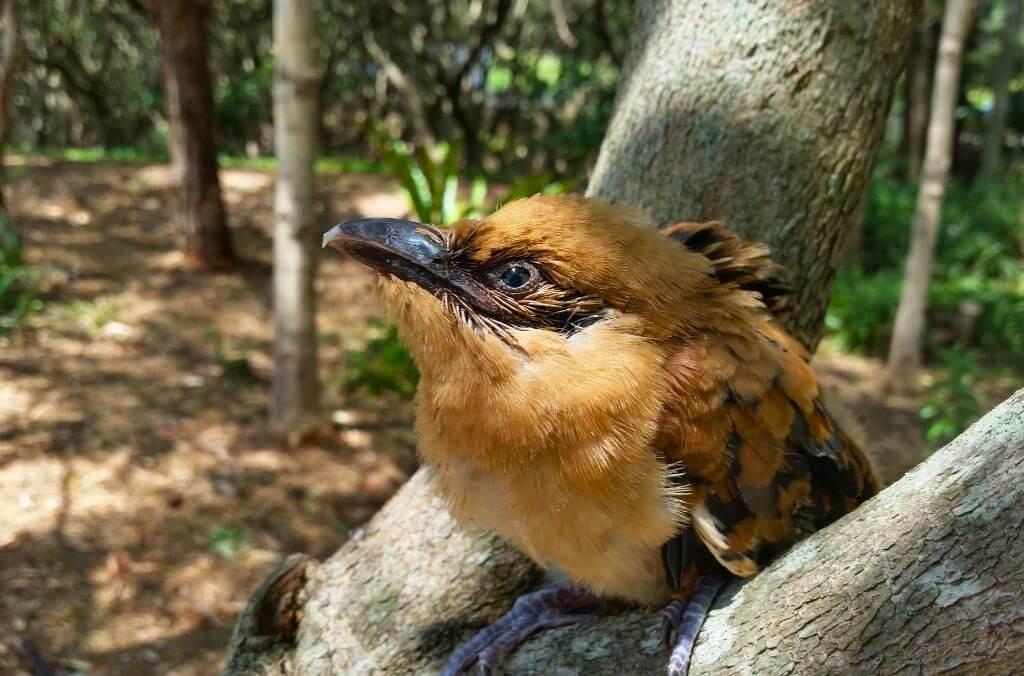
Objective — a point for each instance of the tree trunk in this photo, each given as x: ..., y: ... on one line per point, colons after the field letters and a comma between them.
x: 918, y: 82
x: 8, y: 63
x: 992, y: 154
x: 296, y: 391
x: 905, y: 348
x: 772, y: 116
x: 182, y: 25
x: 403, y: 593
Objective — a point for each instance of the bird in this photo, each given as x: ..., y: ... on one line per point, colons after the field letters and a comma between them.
x: 622, y: 402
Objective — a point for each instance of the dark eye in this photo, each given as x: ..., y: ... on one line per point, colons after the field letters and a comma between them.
x: 517, y: 277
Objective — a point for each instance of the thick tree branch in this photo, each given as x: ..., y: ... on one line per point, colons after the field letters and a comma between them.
x: 927, y: 576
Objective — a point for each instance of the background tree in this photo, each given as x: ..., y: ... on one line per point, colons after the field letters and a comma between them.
x: 905, y: 348
x: 182, y: 25
x: 399, y: 599
x: 8, y: 64
x: 917, y: 81
x: 296, y: 392
x: 1008, y: 50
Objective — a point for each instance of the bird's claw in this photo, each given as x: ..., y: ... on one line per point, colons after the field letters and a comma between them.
x: 681, y: 622
x: 532, y: 612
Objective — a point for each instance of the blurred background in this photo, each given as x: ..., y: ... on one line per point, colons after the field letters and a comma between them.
x: 148, y: 478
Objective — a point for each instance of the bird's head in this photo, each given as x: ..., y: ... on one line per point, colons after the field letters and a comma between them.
x: 550, y: 318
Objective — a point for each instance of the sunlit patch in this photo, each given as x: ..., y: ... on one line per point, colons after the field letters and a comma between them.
x: 381, y: 205
x: 122, y: 444
x: 246, y: 181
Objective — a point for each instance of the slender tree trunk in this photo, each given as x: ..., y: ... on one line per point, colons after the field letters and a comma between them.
x: 918, y: 91
x: 182, y: 25
x: 773, y: 118
x: 8, y: 64
x: 992, y: 154
x: 399, y: 597
x: 905, y: 348
x: 296, y: 391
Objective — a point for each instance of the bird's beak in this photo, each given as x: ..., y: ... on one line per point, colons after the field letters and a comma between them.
x: 410, y: 251
x: 383, y: 240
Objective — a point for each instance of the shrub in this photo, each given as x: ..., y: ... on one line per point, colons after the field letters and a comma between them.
x: 382, y: 366
x: 978, y: 259
x: 19, y: 293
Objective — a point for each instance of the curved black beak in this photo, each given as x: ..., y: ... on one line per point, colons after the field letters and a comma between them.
x: 406, y: 239
x: 406, y: 249
x: 410, y: 251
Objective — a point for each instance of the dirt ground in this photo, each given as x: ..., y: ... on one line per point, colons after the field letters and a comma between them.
x: 143, y: 496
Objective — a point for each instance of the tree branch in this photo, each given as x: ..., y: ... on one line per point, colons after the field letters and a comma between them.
x: 409, y: 95
x: 928, y: 575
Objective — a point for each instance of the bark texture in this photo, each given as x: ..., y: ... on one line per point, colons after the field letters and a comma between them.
x: 993, y: 151
x: 199, y: 207
x: 296, y: 391
x: 773, y: 113
x: 908, y: 329
x: 925, y: 578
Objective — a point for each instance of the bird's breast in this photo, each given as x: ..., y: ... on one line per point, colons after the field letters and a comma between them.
x: 605, y: 534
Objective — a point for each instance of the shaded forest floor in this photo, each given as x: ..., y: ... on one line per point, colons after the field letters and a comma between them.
x: 144, y: 497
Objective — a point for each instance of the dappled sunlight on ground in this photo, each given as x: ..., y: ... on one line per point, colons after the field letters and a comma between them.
x: 145, y: 496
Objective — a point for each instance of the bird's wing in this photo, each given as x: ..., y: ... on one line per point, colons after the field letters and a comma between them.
x: 747, y: 427
x: 736, y: 262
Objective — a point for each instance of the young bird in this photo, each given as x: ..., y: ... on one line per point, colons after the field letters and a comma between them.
x: 620, y: 402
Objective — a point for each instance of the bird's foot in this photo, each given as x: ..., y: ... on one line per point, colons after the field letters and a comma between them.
x: 543, y: 609
x: 681, y: 622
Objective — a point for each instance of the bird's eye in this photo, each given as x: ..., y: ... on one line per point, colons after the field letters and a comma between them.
x: 517, y: 277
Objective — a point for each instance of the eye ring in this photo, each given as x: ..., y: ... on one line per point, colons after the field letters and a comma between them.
x: 517, y: 277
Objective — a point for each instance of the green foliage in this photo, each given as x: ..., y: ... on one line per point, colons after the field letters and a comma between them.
x: 978, y: 260
x: 328, y: 164
x: 19, y: 292
x: 429, y: 177
x: 89, y: 75
x: 118, y: 154
x: 227, y: 541
x: 383, y: 366
x: 952, y: 404
x: 862, y: 309
x: 93, y: 314
x: 505, y: 82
